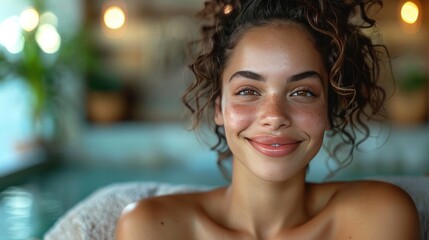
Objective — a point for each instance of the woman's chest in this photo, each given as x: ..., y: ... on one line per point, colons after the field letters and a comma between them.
x: 315, y: 229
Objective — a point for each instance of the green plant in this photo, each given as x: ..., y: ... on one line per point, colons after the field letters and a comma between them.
x: 45, y: 74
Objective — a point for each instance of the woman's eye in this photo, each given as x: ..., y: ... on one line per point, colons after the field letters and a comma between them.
x: 303, y: 93
x: 248, y: 92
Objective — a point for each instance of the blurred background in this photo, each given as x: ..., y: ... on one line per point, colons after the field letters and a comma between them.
x: 90, y: 95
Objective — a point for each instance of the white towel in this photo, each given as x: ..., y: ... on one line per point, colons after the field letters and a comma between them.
x: 95, y: 217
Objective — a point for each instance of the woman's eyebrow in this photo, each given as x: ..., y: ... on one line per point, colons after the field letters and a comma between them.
x: 257, y: 77
x: 305, y: 75
x: 247, y: 74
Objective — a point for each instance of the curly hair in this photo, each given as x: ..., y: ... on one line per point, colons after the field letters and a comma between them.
x: 351, y: 58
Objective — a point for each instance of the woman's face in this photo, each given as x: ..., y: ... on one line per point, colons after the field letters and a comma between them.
x: 274, y: 101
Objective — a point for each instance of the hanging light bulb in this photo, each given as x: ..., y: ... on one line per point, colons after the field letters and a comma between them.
x: 409, y: 12
x: 409, y: 16
x: 114, y: 17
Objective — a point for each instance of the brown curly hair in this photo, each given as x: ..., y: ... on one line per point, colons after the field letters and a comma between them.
x: 350, y: 56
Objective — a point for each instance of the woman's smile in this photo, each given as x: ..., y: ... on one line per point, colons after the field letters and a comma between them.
x: 273, y: 146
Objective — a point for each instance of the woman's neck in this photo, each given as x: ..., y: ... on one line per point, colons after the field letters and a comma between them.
x: 265, y: 208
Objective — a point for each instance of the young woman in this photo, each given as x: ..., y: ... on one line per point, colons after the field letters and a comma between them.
x: 273, y: 76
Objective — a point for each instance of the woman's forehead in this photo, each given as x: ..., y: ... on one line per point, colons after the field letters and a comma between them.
x: 276, y: 47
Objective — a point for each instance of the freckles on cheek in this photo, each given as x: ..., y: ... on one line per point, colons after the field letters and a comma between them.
x: 314, y: 121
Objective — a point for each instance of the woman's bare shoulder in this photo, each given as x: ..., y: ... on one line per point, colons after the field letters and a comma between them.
x: 374, y: 210
x: 165, y: 217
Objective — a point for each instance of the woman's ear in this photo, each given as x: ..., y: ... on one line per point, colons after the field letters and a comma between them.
x: 218, y: 116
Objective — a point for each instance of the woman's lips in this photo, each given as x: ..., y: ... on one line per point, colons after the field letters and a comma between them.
x: 274, y: 146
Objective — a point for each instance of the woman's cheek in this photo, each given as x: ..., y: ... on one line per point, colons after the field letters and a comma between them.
x: 238, y: 116
x: 315, y: 120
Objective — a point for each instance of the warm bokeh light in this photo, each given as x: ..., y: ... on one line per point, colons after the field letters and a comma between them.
x: 227, y: 9
x: 10, y: 35
x: 409, y: 12
x: 48, y: 38
x: 114, y: 17
x: 29, y: 19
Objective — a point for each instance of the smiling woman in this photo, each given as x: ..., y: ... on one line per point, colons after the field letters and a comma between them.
x: 272, y: 78
x: 287, y: 85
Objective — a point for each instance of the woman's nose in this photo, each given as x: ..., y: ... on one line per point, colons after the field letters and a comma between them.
x: 274, y: 113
